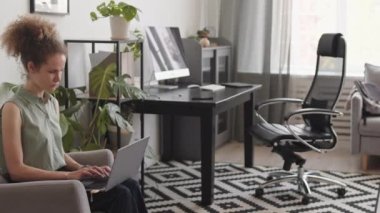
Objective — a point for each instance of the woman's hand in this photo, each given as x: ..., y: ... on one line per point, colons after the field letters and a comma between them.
x: 89, y: 172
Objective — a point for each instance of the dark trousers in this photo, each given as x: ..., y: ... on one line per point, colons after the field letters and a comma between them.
x: 125, y: 197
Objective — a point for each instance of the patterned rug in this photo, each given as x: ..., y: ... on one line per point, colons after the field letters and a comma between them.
x: 175, y: 187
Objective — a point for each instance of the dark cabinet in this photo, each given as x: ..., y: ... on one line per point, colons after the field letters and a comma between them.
x: 210, y: 65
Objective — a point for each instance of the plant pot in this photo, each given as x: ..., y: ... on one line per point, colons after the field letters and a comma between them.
x: 125, y: 137
x: 119, y: 27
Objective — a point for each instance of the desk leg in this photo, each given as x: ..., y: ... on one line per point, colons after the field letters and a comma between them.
x: 248, y: 121
x: 208, y: 130
x: 167, y: 138
x: 142, y: 134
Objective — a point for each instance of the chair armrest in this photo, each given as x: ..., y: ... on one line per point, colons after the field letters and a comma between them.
x: 99, y: 157
x: 277, y: 101
x: 356, y: 117
x: 271, y: 102
x: 60, y: 196
x: 305, y: 112
x: 313, y: 111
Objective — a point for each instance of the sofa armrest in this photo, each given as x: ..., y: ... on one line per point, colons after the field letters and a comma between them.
x: 96, y: 157
x: 60, y: 196
x: 356, y: 117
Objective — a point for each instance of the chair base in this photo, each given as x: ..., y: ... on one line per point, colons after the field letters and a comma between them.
x: 302, y: 179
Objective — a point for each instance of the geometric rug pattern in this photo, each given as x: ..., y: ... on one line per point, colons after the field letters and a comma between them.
x: 175, y: 187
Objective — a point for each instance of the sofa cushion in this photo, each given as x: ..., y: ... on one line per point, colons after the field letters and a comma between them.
x: 372, y: 74
x: 371, y: 126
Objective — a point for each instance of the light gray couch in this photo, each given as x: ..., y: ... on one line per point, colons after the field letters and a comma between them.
x: 365, y: 138
x: 61, y: 196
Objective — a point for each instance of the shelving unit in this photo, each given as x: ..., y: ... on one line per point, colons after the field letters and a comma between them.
x: 117, y: 100
x: 210, y: 65
x: 117, y: 47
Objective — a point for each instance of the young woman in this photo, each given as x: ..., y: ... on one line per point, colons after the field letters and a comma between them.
x: 31, y: 138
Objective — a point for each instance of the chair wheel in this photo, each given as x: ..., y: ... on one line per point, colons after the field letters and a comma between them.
x: 341, y: 192
x: 259, y: 192
x: 270, y: 177
x: 305, y: 200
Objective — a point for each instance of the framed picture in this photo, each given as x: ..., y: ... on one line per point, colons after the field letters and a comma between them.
x: 59, y: 7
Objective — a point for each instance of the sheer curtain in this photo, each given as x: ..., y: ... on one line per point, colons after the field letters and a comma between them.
x: 260, y: 33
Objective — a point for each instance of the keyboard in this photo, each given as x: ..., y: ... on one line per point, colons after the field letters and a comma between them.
x: 213, y: 87
x: 95, y: 183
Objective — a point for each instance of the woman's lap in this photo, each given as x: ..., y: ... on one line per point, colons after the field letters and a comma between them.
x: 125, y: 197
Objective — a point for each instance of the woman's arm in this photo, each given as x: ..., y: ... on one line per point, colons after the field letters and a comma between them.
x: 73, y: 165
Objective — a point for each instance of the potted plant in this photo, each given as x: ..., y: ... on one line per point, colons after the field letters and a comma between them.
x: 120, y: 15
x: 106, y: 84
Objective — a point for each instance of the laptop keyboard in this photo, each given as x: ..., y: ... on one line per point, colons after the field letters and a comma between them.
x: 94, y: 183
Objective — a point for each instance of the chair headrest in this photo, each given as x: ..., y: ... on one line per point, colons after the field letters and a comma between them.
x: 329, y: 45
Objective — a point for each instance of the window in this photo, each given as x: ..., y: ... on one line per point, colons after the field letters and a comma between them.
x: 358, y: 21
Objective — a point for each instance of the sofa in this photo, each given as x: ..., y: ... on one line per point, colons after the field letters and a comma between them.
x: 58, y: 196
x: 365, y: 134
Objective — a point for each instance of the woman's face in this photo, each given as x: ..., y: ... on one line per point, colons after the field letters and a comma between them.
x: 47, y: 76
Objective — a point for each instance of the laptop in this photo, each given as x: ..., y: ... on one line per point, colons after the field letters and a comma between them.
x: 126, y: 165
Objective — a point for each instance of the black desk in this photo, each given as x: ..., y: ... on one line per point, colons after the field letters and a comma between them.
x: 180, y: 102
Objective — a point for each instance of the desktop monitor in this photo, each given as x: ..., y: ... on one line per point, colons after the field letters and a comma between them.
x: 167, y: 52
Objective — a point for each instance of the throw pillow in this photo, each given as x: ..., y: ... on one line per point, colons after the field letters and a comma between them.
x: 372, y: 74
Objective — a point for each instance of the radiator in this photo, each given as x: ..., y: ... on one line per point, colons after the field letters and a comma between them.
x: 299, y: 86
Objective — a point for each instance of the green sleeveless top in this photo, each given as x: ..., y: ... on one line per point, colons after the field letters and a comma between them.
x: 41, y: 135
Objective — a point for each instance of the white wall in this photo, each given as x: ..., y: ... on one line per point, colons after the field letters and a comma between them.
x: 210, y: 16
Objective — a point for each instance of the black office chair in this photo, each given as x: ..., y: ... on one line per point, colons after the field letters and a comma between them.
x: 316, y: 132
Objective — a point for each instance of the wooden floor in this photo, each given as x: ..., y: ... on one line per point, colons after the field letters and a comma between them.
x: 338, y: 159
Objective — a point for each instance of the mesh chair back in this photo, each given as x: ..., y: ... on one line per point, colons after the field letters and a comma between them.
x: 328, y: 80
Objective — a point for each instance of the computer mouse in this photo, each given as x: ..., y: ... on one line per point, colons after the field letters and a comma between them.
x: 193, y: 86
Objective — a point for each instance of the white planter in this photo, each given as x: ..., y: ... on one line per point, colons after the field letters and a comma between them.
x: 119, y: 27
x: 125, y: 136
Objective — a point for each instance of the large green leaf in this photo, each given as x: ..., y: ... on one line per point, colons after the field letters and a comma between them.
x: 70, y: 111
x: 116, y: 118
x: 62, y: 95
x: 129, y: 12
x: 100, y: 78
x: 103, y: 120
x: 127, y: 90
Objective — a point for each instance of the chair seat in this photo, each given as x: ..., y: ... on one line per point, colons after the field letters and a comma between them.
x: 273, y: 132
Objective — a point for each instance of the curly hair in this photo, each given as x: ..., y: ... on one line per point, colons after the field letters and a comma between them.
x: 31, y: 38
